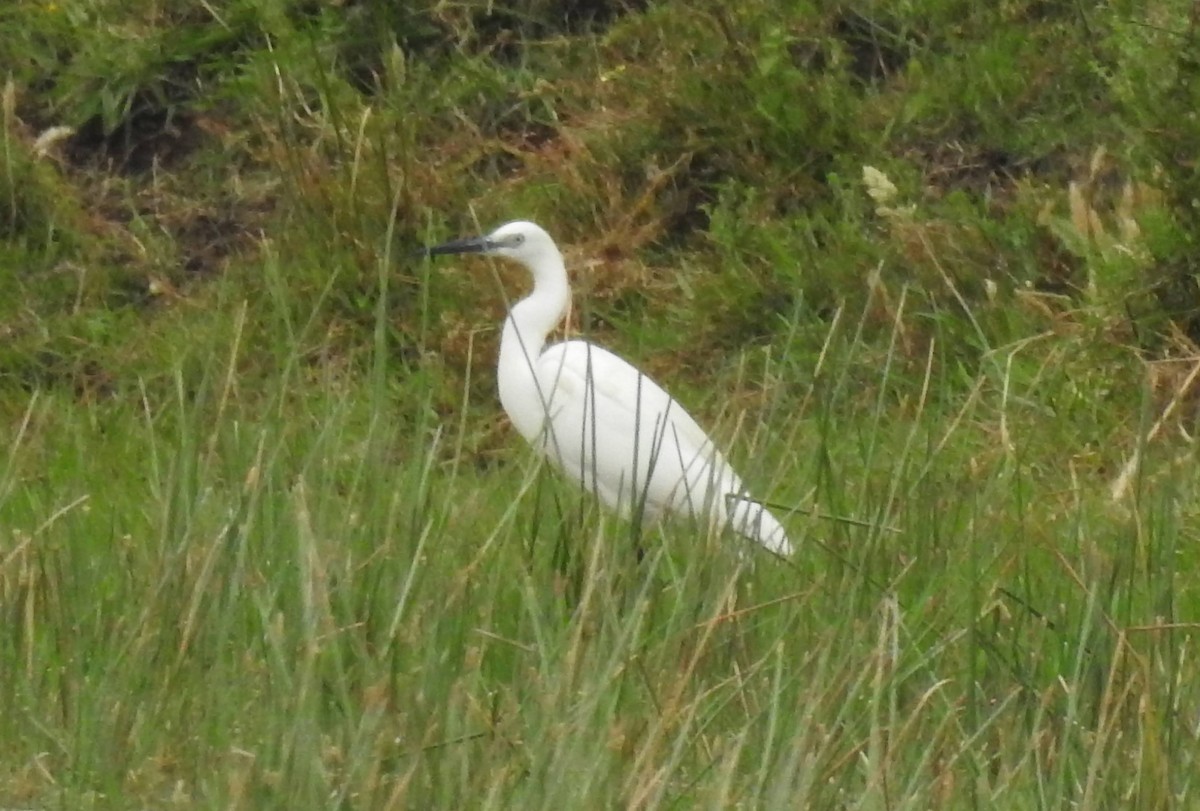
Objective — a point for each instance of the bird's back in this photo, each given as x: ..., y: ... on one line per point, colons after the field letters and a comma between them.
x: 620, y: 434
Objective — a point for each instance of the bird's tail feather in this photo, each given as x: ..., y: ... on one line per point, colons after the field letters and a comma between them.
x: 754, y: 521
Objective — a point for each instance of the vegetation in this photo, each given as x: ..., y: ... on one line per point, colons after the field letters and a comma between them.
x: 267, y: 542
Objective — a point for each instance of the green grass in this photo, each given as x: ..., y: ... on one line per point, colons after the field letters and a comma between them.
x: 266, y: 540
x: 302, y: 601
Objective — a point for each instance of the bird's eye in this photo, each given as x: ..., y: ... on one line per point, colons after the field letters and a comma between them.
x: 518, y: 239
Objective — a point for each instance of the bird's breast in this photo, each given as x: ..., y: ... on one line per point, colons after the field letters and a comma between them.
x: 523, y: 399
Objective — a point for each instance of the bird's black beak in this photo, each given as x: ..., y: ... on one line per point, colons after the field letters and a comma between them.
x: 469, y: 245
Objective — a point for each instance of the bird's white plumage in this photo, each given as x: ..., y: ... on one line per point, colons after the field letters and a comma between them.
x: 599, y: 419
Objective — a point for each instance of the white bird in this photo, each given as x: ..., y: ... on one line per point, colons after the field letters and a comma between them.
x: 599, y: 419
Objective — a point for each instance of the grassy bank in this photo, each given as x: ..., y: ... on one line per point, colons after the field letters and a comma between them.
x: 266, y: 540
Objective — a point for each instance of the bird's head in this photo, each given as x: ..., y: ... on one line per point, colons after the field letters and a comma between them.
x: 523, y: 241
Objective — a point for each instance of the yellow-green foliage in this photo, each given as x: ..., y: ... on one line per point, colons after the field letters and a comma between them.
x: 266, y: 542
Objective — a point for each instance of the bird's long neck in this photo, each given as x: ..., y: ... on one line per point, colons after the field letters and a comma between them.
x: 532, y: 318
x: 526, y: 328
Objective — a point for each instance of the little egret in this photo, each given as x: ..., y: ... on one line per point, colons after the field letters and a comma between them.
x: 598, y: 418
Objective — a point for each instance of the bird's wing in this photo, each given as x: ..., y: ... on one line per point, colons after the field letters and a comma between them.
x: 605, y: 414
x: 575, y: 364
